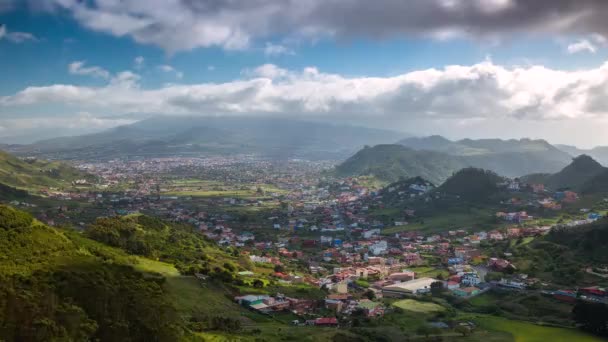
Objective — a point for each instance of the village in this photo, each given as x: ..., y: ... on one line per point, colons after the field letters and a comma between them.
x: 325, y: 233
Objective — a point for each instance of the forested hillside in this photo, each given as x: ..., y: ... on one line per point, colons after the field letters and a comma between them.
x: 56, y: 284
x: 36, y: 173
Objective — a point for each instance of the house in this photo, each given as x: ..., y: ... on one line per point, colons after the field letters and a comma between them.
x: 326, y: 322
x: 470, y: 279
x: 371, y: 309
x: 594, y: 291
x: 416, y: 286
x: 250, y: 300
x: 334, y: 305
x: 565, y: 296
x: 499, y: 264
x: 402, y: 276
x: 466, y: 291
x: 452, y: 285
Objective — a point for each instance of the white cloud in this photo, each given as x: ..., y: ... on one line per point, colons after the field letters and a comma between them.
x: 276, y: 49
x: 79, y: 68
x: 480, y: 91
x: 599, y: 39
x: 581, y: 45
x: 15, y: 36
x: 189, y: 24
x: 483, y: 97
x: 169, y: 69
x: 139, y: 62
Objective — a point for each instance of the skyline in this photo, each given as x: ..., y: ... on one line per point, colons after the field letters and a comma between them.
x: 477, y: 69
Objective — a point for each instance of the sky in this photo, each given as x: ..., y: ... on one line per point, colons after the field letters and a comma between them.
x: 459, y: 68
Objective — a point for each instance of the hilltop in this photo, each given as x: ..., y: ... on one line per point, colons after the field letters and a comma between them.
x: 32, y: 173
x: 436, y: 158
x: 599, y: 153
x: 574, y: 176
x: 472, y: 184
x: 392, y: 162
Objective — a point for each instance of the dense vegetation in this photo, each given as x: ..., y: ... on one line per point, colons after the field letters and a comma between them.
x: 177, y: 244
x: 596, y: 185
x: 471, y: 184
x: 590, y: 242
x: 56, y: 285
x: 35, y: 173
x: 583, y: 169
x: 393, y: 162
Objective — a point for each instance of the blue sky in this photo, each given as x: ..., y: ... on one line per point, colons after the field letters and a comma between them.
x: 225, y: 59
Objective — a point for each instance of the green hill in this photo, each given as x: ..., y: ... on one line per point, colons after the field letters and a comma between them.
x: 128, y: 279
x: 596, y: 185
x: 32, y: 174
x: 55, y: 285
x: 393, y: 162
x: 472, y: 184
x: 535, y: 178
x: 574, y: 176
x: 588, y: 243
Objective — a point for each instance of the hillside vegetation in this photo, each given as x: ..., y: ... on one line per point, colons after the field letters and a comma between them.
x: 107, y: 284
x: 56, y: 286
x: 33, y: 174
x: 393, y: 162
x: 471, y: 184
x: 574, y: 176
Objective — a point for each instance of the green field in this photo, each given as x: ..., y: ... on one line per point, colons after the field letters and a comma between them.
x: 417, y: 306
x: 475, y: 218
x: 527, y: 332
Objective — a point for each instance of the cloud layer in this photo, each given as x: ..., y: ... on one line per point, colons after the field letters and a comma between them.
x: 178, y: 25
x: 480, y: 91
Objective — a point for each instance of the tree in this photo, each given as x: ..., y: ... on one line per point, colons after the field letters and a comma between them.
x: 370, y: 294
x: 279, y: 268
x: 258, y: 283
x: 424, y: 330
x: 436, y: 288
x: 461, y: 329
x: 592, y: 317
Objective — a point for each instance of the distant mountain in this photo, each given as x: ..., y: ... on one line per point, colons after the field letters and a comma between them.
x: 34, y: 173
x: 160, y: 136
x: 599, y: 153
x: 393, y: 162
x: 582, y: 170
x: 512, y: 158
x: 472, y: 184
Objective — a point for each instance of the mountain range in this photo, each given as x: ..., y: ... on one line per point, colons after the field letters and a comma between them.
x: 436, y: 158
x: 161, y: 136
x: 599, y: 153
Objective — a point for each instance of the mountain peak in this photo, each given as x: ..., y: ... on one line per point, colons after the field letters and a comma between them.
x: 585, y: 161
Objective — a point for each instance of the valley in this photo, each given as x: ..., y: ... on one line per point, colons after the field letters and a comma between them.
x: 248, y: 247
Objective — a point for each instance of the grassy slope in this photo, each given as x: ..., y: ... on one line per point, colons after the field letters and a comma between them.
x: 526, y: 332
x: 35, y: 174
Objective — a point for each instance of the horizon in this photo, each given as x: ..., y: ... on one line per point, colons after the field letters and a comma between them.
x: 406, y: 135
x: 539, y: 70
